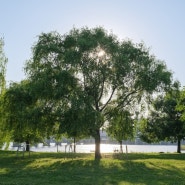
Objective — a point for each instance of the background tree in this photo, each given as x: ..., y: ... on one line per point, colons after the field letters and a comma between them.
x: 3, y: 62
x: 74, y: 120
x: 22, y: 114
x: 102, y: 67
x: 121, y: 126
x: 181, y: 104
x: 164, y: 122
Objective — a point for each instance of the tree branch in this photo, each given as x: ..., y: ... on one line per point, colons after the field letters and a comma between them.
x: 113, y: 90
x: 126, y: 97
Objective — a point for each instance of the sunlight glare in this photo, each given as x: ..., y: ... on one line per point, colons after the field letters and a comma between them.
x: 101, y: 53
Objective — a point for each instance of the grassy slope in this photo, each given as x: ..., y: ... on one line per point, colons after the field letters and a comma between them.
x: 81, y: 169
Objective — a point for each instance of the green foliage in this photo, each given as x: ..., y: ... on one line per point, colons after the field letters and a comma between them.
x: 164, y: 122
x: 92, y: 69
x: 75, y: 119
x: 121, y: 125
x: 3, y: 62
x: 20, y: 113
x: 181, y: 104
x: 4, y: 136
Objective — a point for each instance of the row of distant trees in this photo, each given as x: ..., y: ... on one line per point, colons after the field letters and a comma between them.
x: 86, y: 80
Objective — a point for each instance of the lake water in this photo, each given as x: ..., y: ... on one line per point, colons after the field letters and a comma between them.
x: 105, y: 148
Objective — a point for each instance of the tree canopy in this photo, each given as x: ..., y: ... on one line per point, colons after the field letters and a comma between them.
x: 3, y: 62
x: 164, y: 122
x: 181, y: 104
x: 97, y: 69
x: 22, y: 116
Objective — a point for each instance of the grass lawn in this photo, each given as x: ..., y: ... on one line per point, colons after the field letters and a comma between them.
x: 82, y: 169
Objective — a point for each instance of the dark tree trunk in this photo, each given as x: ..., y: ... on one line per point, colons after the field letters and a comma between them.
x: 74, y: 145
x: 27, y: 146
x: 121, y: 147
x: 57, y: 146
x: 179, y: 146
x: 97, y: 145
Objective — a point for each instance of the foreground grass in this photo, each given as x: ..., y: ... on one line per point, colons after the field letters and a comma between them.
x: 82, y: 169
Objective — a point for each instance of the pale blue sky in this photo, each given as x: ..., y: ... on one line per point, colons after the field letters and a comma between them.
x: 159, y: 23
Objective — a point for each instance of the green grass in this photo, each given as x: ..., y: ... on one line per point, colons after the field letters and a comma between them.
x: 82, y: 169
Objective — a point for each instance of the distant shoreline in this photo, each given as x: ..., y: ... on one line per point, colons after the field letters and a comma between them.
x: 105, y: 148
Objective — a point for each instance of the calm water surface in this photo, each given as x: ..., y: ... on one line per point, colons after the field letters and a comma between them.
x: 105, y: 148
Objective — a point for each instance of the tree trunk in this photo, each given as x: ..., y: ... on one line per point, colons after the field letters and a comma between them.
x: 27, y: 146
x: 179, y: 146
x: 121, y: 147
x: 97, y: 145
x: 57, y: 146
x: 74, y: 145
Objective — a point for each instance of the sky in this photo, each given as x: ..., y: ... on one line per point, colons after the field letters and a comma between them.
x: 160, y: 24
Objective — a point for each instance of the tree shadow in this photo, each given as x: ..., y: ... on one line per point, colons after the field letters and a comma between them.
x: 57, y: 169
x: 140, y: 156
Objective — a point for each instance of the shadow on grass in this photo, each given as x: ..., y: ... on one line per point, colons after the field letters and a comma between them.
x: 140, y: 156
x: 82, y: 169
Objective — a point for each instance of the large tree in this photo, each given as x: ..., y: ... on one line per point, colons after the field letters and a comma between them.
x: 104, y: 70
x: 164, y: 122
